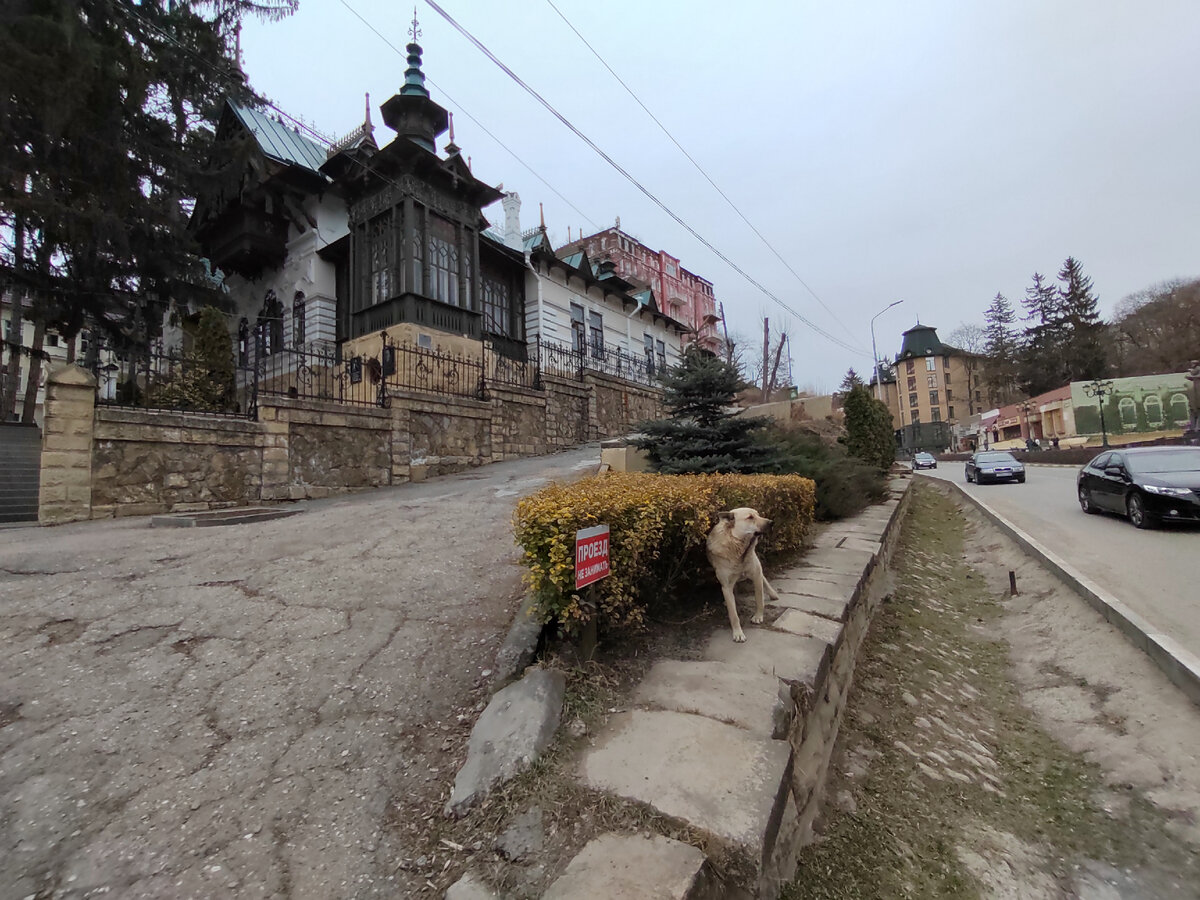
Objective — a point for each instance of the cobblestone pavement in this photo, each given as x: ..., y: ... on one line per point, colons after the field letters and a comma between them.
x: 249, y: 711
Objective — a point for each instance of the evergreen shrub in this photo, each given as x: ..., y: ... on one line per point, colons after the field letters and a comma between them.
x: 657, y: 529
x: 845, y: 484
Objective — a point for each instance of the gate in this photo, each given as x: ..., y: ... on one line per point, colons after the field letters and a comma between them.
x: 20, y: 468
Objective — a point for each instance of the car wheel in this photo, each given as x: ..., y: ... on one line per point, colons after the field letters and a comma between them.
x: 1020, y: 479
x: 1136, y: 508
x: 968, y: 477
x: 1085, y: 501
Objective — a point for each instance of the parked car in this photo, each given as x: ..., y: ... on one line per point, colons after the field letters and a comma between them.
x: 1147, y: 484
x: 924, y: 461
x: 994, y: 465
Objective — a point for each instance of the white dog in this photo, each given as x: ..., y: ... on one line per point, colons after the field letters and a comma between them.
x: 731, y: 552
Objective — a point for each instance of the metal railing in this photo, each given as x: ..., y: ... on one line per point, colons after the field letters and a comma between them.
x: 320, y: 371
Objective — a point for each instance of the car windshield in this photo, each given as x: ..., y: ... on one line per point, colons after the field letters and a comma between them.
x: 924, y: 456
x: 995, y: 457
x: 1173, y: 461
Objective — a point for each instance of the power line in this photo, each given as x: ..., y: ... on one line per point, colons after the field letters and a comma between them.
x: 637, y: 184
x: 479, y: 124
x: 697, y: 165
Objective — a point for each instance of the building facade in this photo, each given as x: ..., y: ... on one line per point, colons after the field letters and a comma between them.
x: 930, y: 387
x: 684, y: 296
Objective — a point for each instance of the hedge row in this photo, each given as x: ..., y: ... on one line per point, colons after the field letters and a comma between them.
x: 657, y: 528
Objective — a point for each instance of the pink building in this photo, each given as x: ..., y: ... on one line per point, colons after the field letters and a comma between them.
x: 683, y: 296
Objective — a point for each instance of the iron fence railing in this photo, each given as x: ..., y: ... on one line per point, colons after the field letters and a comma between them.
x: 322, y: 371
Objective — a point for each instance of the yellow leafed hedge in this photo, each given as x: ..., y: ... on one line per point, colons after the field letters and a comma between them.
x: 657, y: 526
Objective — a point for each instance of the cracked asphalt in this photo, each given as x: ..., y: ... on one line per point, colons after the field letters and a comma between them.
x: 258, y: 710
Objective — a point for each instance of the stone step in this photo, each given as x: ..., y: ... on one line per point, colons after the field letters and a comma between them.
x: 631, y: 867
x: 750, y: 700
x: 716, y: 777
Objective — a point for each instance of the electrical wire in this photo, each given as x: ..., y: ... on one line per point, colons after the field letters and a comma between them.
x: 637, y: 184
x: 698, y: 167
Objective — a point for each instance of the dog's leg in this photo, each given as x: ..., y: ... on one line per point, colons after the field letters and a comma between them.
x: 771, y: 592
x: 759, y: 610
x: 735, y: 623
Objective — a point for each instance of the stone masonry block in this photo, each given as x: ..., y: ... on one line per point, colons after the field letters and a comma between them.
x: 743, y: 698
x: 632, y: 867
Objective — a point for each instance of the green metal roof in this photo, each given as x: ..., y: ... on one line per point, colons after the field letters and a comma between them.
x: 280, y: 142
x: 921, y: 341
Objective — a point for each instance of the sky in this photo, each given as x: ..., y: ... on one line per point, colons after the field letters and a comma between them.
x: 930, y: 151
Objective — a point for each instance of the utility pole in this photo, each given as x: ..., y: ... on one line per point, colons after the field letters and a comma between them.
x: 766, y: 389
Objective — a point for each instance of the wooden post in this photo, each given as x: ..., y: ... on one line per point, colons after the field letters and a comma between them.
x: 589, y: 638
x: 766, y: 390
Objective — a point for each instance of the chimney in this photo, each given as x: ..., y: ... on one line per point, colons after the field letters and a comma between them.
x: 512, y: 220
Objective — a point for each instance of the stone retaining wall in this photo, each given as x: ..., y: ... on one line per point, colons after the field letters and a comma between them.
x: 101, y: 462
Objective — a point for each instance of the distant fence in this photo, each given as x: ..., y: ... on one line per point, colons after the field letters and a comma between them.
x: 319, y: 371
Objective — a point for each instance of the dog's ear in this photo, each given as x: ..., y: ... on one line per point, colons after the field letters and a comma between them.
x: 725, y: 516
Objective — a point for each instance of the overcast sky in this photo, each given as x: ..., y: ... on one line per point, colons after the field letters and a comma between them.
x: 935, y: 152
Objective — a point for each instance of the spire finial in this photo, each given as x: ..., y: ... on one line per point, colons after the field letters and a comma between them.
x: 415, y: 31
x: 367, y: 126
x: 451, y: 115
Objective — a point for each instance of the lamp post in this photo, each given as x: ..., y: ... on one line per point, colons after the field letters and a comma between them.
x: 1100, y: 389
x: 874, y: 352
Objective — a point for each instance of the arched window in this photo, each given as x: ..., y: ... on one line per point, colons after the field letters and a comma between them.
x: 1128, y: 410
x: 298, y: 328
x: 1154, y: 410
x: 1179, y: 409
x: 270, y: 325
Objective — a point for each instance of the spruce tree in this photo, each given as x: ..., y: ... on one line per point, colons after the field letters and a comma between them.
x: 1042, y: 361
x: 1084, y: 345
x: 850, y: 382
x: 1000, y: 348
x: 702, y: 432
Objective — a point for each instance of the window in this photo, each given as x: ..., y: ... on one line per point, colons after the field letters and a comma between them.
x: 949, y: 395
x: 662, y: 355
x: 443, y: 260
x: 910, y: 367
x: 1154, y: 410
x: 936, y: 415
x: 933, y: 380
x: 1128, y: 410
x: 270, y: 325
x: 578, y: 333
x: 379, y: 237
x: 979, y: 396
x: 930, y: 364
x: 596, y: 334
x: 933, y: 398
x: 912, y: 399
x: 949, y: 412
x: 496, y: 319
x: 51, y: 339
x: 916, y: 417
x: 1179, y: 408
x: 912, y: 383
x: 298, y: 327
x: 649, y: 344
x: 945, y: 362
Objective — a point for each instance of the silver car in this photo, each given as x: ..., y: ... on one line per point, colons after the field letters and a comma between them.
x: 993, y: 466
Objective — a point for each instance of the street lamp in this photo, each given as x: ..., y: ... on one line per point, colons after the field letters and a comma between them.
x: 1100, y: 389
x: 874, y: 352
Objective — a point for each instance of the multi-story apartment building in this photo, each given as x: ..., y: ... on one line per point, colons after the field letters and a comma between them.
x: 930, y: 383
x: 680, y: 294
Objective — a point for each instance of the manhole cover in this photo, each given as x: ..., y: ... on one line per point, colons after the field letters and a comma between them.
x: 220, y: 517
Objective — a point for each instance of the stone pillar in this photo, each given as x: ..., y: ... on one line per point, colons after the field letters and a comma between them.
x: 276, y: 463
x: 66, y: 473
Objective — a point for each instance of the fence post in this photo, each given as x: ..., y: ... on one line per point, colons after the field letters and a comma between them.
x: 65, y: 494
x: 537, y: 365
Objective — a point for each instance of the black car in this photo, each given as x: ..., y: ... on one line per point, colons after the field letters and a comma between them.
x: 994, y: 465
x: 924, y: 461
x: 1147, y: 484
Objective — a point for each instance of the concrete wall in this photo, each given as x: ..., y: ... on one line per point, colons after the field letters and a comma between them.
x: 102, y: 462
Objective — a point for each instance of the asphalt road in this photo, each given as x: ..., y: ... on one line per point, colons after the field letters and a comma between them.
x: 253, y: 711
x: 1156, y: 572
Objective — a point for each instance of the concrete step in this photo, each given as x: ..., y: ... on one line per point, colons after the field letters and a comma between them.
x: 631, y: 867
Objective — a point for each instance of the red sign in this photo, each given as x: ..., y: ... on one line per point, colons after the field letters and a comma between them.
x: 591, y: 555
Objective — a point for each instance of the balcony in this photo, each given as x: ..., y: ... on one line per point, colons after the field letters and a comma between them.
x: 416, y: 310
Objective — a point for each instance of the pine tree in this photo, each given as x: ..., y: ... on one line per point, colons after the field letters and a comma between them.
x: 1084, y: 344
x: 851, y: 381
x: 1000, y: 348
x: 702, y: 434
x: 1042, y: 365
x: 105, y: 123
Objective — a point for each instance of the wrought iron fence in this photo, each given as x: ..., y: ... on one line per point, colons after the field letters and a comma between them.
x: 171, y: 380
x: 320, y: 371
x: 573, y: 362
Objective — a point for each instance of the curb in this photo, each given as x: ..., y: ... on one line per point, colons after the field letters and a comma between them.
x: 1181, y: 667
